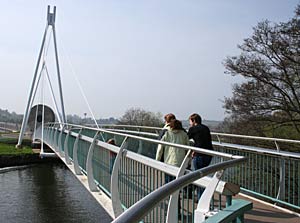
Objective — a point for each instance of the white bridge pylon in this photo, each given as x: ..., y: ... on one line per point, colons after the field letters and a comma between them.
x: 37, y: 75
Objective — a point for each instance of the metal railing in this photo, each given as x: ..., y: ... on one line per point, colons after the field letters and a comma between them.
x: 271, y: 173
x: 154, y: 198
x: 122, y: 173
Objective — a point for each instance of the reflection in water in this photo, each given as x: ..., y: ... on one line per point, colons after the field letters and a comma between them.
x: 46, y: 193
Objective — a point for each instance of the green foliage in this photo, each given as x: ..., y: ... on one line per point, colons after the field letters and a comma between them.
x: 75, y: 119
x: 140, y: 117
x: 6, y: 116
x: 9, y: 149
x: 268, y: 101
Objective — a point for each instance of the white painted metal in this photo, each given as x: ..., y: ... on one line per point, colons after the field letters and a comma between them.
x: 281, y: 189
x: 55, y: 139
x: 222, y: 187
x: 134, y: 132
x: 172, y: 214
x: 47, y: 155
x: 75, y: 155
x: 34, y: 85
x: 258, y: 150
x: 140, y: 209
x: 52, y: 134
x: 67, y: 158
x: 57, y: 67
x: 256, y: 137
x: 115, y: 197
x: 278, y: 152
x: 89, y: 165
x: 30, y: 97
x: 204, y: 151
x: 217, y: 134
x: 116, y: 203
x: 204, y: 202
x: 61, y: 153
x: 53, y: 96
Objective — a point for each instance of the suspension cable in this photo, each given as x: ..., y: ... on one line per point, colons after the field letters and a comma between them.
x: 78, y: 82
x: 36, y: 114
x: 43, y: 115
x: 46, y: 49
x: 52, y: 94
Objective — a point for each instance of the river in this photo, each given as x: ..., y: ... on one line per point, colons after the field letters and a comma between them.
x: 46, y: 193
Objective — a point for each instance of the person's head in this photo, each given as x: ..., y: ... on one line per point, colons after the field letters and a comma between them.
x: 169, y: 117
x: 176, y: 124
x: 195, y: 119
x: 111, y: 141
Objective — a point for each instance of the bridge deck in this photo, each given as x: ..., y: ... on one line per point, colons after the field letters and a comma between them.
x: 262, y: 212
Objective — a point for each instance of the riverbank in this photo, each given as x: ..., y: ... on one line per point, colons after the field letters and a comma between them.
x: 25, y: 159
x: 11, y: 156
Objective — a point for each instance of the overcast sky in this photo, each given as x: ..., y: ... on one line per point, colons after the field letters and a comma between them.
x: 162, y: 56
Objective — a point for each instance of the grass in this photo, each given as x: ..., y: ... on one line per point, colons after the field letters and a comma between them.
x: 7, y: 147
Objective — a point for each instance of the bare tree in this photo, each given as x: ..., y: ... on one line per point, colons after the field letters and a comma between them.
x: 138, y: 116
x: 270, y: 64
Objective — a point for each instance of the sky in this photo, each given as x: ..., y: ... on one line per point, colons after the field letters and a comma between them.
x: 161, y: 56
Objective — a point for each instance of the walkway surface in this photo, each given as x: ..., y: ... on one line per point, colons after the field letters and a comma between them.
x: 262, y: 212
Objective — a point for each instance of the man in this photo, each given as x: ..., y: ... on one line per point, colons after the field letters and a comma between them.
x: 201, y: 135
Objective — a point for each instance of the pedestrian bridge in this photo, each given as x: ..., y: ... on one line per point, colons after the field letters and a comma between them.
x: 130, y: 184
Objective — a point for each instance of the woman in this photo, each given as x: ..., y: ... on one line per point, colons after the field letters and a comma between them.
x: 168, y: 118
x: 172, y: 155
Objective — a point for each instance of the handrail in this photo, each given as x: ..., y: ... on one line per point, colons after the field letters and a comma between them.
x: 214, y: 133
x: 134, y: 132
x: 259, y: 150
x: 257, y: 137
x: 136, y: 212
x: 230, y: 145
x: 200, y: 150
x: 67, y: 130
x: 275, y: 164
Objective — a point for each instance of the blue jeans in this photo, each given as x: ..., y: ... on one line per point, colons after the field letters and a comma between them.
x: 111, y: 162
x: 169, y: 178
x: 199, y: 162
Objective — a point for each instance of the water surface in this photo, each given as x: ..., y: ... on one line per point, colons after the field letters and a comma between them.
x: 46, y: 193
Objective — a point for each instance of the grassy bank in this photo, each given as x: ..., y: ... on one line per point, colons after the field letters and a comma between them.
x: 7, y: 147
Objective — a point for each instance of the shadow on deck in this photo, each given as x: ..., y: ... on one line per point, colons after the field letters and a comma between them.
x: 262, y: 212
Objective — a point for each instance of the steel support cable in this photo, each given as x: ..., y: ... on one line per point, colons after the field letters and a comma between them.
x: 52, y: 94
x: 45, y: 52
x: 35, y: 90
x: 46, y: 49
x: 43, y: 115
x: 36, y: 113
x: 140, y: 209
x: 78, y: 82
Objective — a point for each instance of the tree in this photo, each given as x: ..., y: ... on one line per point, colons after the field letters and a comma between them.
x: 270, y: 64
x: 140, y: 117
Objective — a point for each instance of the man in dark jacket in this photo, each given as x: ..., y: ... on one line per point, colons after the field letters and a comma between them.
x: 201, y: 135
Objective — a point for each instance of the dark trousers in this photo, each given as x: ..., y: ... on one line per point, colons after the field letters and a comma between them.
x: 198, y: 163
